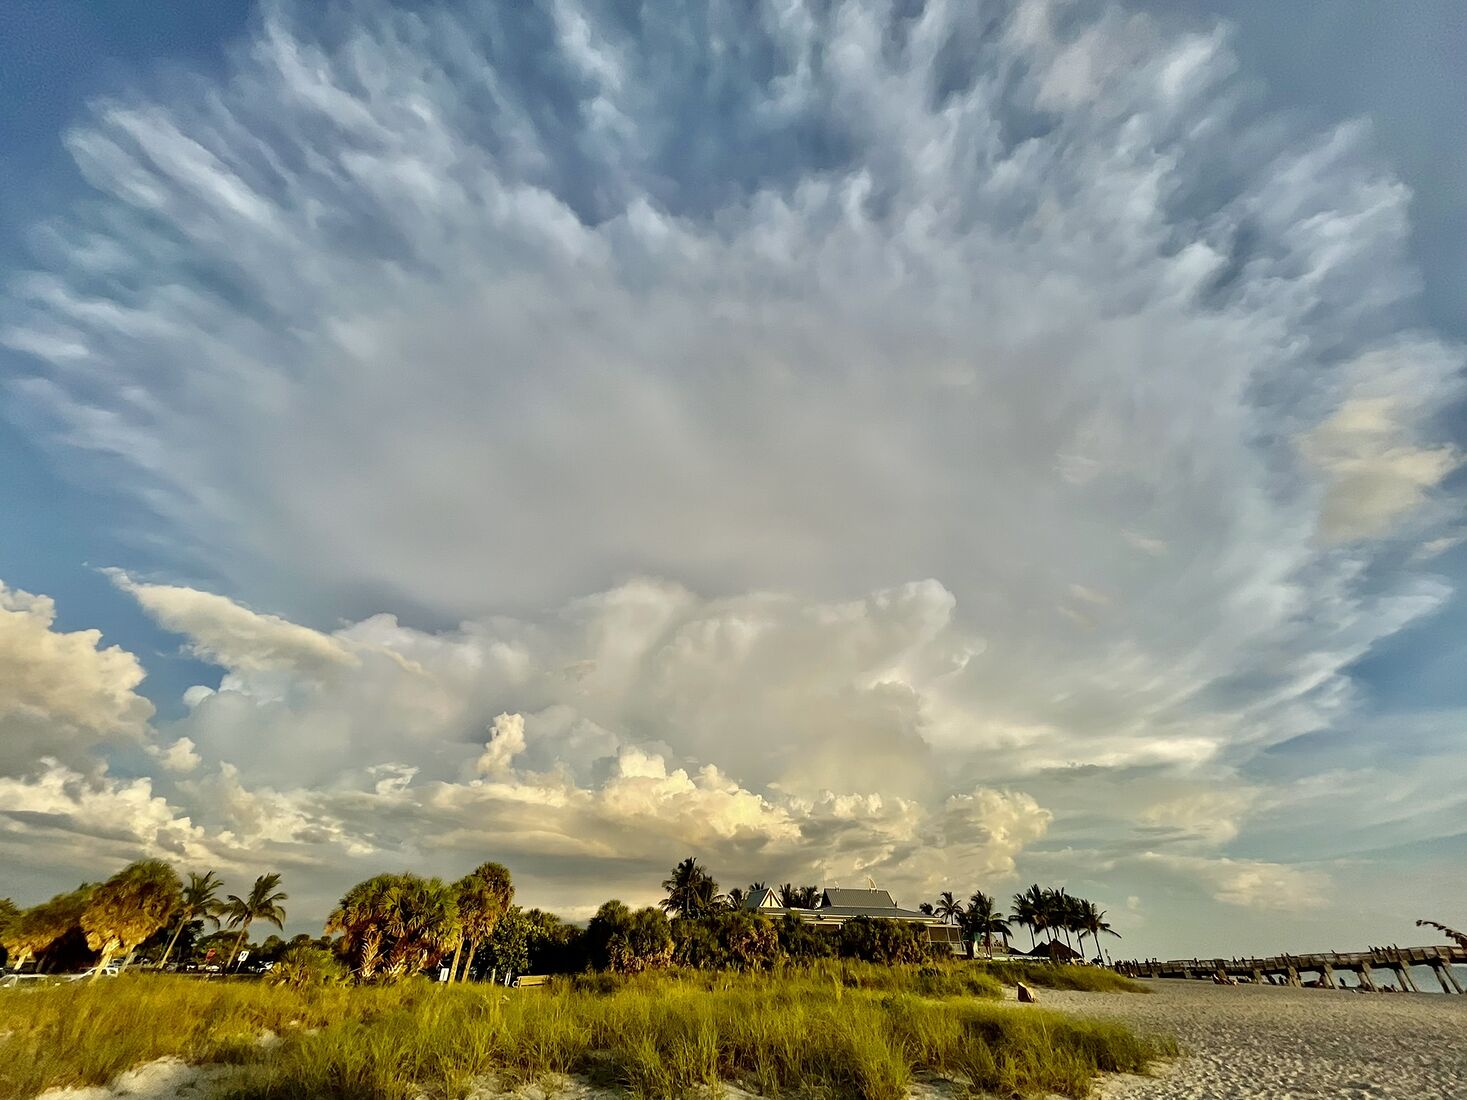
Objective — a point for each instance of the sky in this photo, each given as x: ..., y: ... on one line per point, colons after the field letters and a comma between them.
x: 949, y: 445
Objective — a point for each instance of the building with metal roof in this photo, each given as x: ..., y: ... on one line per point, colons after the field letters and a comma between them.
x: 838, y: 905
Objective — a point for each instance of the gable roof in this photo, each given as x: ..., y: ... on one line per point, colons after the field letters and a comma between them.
x: 834, y: 897
x: 764, y: 899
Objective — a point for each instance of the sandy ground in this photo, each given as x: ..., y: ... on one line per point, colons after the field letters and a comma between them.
x: 1289, y: 1044
x: 1239, y: 1043
x: 164, y: 1079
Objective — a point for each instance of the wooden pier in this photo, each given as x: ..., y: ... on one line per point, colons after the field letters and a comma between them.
x: 1292, y: 969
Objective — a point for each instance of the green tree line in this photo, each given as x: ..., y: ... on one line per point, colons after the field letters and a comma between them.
x: 394, y: 925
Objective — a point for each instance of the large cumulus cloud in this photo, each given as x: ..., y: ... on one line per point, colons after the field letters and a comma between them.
x: 62, y: 693
x: 464, y: 316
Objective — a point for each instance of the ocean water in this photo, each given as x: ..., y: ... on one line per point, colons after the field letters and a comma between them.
x: 1421, y: 976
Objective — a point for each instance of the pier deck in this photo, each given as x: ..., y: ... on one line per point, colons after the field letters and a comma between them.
x: 1290, y: 969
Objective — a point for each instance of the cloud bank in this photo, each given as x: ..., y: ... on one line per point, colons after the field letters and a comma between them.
x: 467, y: 316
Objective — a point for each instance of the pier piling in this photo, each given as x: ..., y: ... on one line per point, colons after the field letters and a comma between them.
x: 1286, y: 969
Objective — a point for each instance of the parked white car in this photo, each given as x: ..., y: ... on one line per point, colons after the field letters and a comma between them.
x: 107, y: 972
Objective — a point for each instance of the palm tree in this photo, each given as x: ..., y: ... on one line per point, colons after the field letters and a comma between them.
x: 1093, y: 921
x: 808, y: 896
x: 361, y: 918
x: 200, y: 902
x: 1062, y: 913
x: 423, y: 924
x: 982, y: 916
x: 925, y: 908
x: 1031, y: 910
x: 737, y: 897
x: 262, y: 903
x: 484, y: 896
x: 40, y: 926
x: 691, y: 890
x: 947, y: 907
x: 128, y: 908
x: 398, y: 924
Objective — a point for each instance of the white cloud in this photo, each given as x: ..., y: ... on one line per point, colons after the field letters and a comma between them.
x: 224, y: 633
x: 61, y: 693
x: 1020, y: 308
x: 1250, y: 883
x: 60, y: 818
x: 1208, y: 817
x: 505, y: 743
x: 1377, y: 474
x: 179, y: 756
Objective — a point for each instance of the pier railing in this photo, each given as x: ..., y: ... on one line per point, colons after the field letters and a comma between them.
x: 1289, y: 969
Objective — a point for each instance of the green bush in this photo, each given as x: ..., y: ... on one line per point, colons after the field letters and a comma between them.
x: 879, y: 940
x: 628, y: 941
x: 304, y: 967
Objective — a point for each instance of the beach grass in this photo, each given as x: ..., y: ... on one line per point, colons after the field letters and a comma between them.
x: 833, y: 1030
x: 1083, y: 979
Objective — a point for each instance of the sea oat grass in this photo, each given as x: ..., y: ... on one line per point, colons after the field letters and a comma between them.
x: 1085, y: 979
x: 833, y: 1031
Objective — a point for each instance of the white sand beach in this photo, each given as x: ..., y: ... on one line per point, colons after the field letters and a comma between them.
x: 1241, y: 1042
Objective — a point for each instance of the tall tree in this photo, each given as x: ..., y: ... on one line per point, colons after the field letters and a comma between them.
x: 40, y: 926
x: 484, y: 896
x: 1061, y: 913
x: 423, y: 926
x: 1034, y: 908
x: 691, y: 891
x: 1093, y: 920
x: 200, y: 902
x: 947, y: 908
x: 362, y: 918
x: 261, y: 903
x: 396, y: 924
x: 983, y: 918
x: 737, y: 897
x: 129, y: 907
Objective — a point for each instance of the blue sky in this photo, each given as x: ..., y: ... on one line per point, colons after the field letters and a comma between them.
x: 956, y: 446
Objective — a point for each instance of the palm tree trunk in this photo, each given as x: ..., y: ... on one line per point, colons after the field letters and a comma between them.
x: 453, y: 966
x: 169, y: 949
x: 127, y: 961
x: 102, y: 962
x: 239, y: 942
x: 469, y: 961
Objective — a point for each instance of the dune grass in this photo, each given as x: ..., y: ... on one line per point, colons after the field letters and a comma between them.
x: 833, y: 1030
x: 1086, y: 979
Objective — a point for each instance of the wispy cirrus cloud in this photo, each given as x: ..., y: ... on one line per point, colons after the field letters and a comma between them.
x: 466, y: 316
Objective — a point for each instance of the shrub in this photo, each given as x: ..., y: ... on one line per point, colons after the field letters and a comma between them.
x: 879, y: 940
x: 304, y: 967
x: 802, y: 944
x: 628, y: 941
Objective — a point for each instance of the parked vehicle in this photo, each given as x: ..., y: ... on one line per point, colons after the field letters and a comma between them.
x: 107, y: 972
